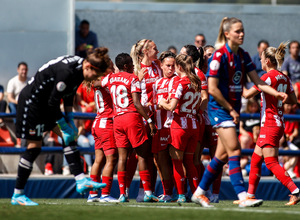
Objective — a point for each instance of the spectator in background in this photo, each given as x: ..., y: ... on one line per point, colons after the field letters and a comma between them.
x: 15, y: 86
x: 290, y: 140
x: 200, y: 41
x: 85, y: 40
x: 2, y: 104
x: 291, y: 65
x: 172, y: 49
x: 249, y: 130
x: 208, y: 52
x: 85, y: 97
x: 261, y: 46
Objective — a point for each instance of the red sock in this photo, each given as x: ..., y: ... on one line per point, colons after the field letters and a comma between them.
x: 217, y: 184
x: 95, y: 178
x: 108, y: 180
x: 255, y: 173
x: 192, y: 172
x: 280, y: 173
x: 146, y: 179
x: 167, y: 187
x: 178, y: 175
x: 131, y: 168
x: 122, y: 181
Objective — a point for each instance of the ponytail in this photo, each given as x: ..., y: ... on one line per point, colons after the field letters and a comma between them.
x: 99, y: 59
x: 225, y: 26
x: 186, y: 62
x: 137, y: 53
x: 276, y: 55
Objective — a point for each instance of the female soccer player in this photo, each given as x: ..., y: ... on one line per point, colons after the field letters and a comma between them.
x: 147, y: 68
x: 226, y: 75
x: 106, y: 152
x: 129, y: 129
x: 184, y: 101
x: 39, y: 111
x: 163, y: 118
x: 272, y: 123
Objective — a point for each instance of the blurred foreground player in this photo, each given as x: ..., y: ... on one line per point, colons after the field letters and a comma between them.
x: 39, y: 111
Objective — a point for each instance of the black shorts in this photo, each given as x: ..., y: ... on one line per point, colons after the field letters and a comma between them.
x: 33, y: 119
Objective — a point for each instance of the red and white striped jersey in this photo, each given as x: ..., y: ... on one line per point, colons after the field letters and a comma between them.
x: 272, y: 108
x: 103, y: 103
x: 121, y: 86
x: 202, y: 77
x: 153, y: 73
x: 162, y: 89
x: 185, y: 112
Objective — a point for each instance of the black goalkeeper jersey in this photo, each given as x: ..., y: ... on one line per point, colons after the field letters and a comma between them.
x: 55, y: 81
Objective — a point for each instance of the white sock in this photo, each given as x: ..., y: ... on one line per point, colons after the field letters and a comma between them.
x: 80, y: 177
x: 250, y: 195
x: 296, y: 191
x: 199, y: 191
x: 148, y: 192
x: 19, y: 191
x: 242, y: 196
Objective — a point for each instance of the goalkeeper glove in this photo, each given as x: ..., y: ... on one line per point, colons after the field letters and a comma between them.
x: 70, y: 120
x: 67, y: 131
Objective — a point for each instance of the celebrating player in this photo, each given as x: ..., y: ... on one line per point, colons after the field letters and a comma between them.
x: 272, y: 123
x: 163, y: 118
x: 226, y: 75
x: 106, y: 152
x: 129, y: 129
x: 39, y: 111
x: 184, y: 101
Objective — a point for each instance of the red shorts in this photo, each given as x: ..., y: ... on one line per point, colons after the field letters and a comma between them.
x: 269, y: 136
x: 129, y: 130
x: 161, y: 140
x: 184, y: 139
x: 103, y: 133
x: 210, y: 137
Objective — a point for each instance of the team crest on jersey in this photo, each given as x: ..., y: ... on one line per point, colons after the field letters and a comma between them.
x: 31, y: 132
x: 237, y: 77
x: 61, y: 86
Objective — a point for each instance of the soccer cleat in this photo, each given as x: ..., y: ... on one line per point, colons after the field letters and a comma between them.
x: 165, y: 198
x: 294, y: 199
x: 237, y: 202
x: 250, y: 202
x: 21, y: 199
x: 87, y: 184
x: 181, y: 198
x: 123, y: 198
x: 108, y: 198
x: 151, y: 198
x: 202, y: 200
x: 93, y: 198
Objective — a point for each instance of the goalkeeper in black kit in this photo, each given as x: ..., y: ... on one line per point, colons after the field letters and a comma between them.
x: 39, y: 111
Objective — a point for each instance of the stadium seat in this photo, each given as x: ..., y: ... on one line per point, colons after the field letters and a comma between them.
x: 5, y: 138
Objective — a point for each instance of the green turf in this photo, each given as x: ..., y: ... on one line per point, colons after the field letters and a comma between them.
x: 62, y: 209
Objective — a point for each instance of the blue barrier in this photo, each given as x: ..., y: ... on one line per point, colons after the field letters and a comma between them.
x: 91, y: 150
x: 80, y: 115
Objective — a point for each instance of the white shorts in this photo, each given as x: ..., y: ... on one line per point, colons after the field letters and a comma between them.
x: 225, y: 124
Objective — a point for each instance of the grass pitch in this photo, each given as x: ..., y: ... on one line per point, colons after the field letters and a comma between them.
x: 63, y: 209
